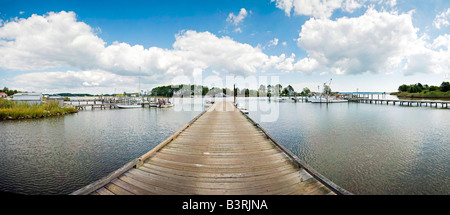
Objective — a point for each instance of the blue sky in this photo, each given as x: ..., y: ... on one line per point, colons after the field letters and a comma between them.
x: 104, y: 46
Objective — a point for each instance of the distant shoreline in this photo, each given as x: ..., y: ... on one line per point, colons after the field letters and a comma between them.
x: 423, y: 95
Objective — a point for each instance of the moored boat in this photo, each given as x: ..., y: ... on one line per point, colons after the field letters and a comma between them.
x: 241, y: 108
x: 123, y: 106
x: 326, y: 96
x: 280, y: 99
x: 165, y: 106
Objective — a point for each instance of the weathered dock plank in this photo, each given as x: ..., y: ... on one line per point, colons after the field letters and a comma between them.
x: 220, y: 152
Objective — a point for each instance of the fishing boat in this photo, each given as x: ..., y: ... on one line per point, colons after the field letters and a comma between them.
x: 326, y: 97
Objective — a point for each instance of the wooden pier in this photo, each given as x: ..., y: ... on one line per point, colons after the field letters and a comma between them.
x: 418, y: 103
x: 82, y: 104
x: 221, y: 151
x: 103, y: 103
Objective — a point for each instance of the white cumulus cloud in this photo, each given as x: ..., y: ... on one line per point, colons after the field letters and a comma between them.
x: 206, y: 49
x: 238, y: 19
x: 273, y: 42
x: 52, y: 40
x: 89, y: 81
x: 442, y: 19
x: 59, y: 40
x: 316, y: 8
x: 374, y: 42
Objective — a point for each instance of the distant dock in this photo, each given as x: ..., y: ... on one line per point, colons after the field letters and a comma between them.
x: 380, y: 98
x: 417, y: 103
x: 82, y: 104
x: 221, y: 151
x: 102, y: 103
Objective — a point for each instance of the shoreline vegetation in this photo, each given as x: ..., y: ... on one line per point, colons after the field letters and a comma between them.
x: 12, y: 110
x: 423, y: 95
x: 424, y: 91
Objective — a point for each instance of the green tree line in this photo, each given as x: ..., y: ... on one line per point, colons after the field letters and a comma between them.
x: 184, y: 90
x: 9, y: 92
x: 418, y: 88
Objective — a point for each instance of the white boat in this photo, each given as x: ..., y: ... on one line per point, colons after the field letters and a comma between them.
x: 165, y: 106
x: 244, y: 110
x: 241, y: 108
x: 128, y: 106
x: 280, y: 99
x: 325, y: 97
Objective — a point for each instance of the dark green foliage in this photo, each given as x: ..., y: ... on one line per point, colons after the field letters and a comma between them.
x: 414, y: 88
x: 305, y: 91
x: 403, y: 88
x: 433, y: 88
x: 9, y: 92
x: 445, y: 86
x: 418, y: 88
x: 182, y: 90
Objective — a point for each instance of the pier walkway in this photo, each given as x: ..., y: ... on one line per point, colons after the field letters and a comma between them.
x: 221, y: 151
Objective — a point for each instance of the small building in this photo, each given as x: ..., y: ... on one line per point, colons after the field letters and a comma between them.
x: 58, y: 99
x: 32, y: 98
x: 3, y: 95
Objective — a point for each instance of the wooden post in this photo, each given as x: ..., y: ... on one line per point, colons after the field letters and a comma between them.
x: 234, y: 93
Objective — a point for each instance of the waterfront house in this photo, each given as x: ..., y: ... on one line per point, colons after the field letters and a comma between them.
x: 32, y: 98
x: 3, y: 95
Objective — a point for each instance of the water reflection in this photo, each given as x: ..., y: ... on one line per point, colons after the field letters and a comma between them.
x: 369, y: 149
x: 61, y: 154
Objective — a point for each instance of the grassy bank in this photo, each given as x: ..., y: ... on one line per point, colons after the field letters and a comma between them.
x: 10, y: 110
x: 424, y: 94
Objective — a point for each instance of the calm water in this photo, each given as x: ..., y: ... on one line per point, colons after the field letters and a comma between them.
x: 61, y: 154
x: 365, y: 148
x: 368, y: 148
